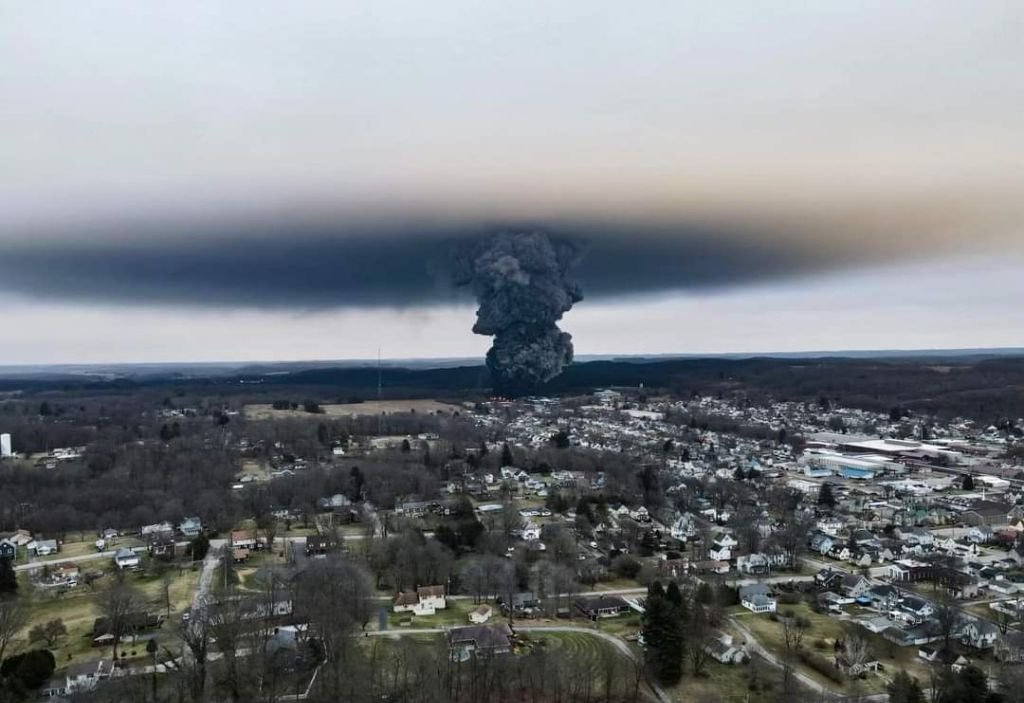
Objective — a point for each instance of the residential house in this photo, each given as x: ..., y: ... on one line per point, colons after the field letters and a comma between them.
x: 719, y: 551
x: 821, y: 543
x: 20, y: 538
x: 523, y: 604
x: 915, y: 536
x: 43, y: 547
x: 723, y: 648
x: 854, y: 585
x: 66, y: 573
x: 77, y: 678
x: 918, y: 608
x: 909, y: 571
x: 161, y: 544
x: 884, y: 597
x: 336, y: 502
x: 757, y: 598
x: 320, y: 545
x: 413, y: 508
x: 425, y: 600
x: 684, y: 528
x: 760, y: 563
x: 980, y: 534
x: 479, y: 641
x: 480, y: 614
x: 190, y: 527
x: 530, y: 530
x: 986, y: 512
x: 156, y: 527
x: 247, y: 539
x: 829, y: 579
x: 979, y: 634
x: 8, y: 549
x: 126, y: 559
x: 601, y: 606
x: 1002, y: 586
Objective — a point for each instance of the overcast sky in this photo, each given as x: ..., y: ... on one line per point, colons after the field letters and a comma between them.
x: 264, y: 180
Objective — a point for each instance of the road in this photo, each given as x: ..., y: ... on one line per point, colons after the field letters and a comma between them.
x: 210, y: 564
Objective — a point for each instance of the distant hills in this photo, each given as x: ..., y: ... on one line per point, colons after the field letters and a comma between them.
x: 979, y: 383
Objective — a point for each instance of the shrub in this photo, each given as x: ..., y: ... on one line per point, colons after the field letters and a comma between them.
x: 822, y: 666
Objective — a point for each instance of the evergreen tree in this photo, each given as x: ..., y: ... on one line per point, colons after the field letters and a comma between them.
x: 968, y: 483
x: 905, y: 689
x: 826, y: 499
x: 663, y: 632
x: 506, y: 456
x: 8, y: 579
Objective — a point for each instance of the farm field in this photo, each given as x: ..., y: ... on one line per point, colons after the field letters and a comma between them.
x: 265, y: 411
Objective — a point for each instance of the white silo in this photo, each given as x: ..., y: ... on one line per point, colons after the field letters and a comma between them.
x: 5, y: 445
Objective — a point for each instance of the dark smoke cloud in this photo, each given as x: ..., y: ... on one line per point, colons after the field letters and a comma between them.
x: 323, y: 267
x: 522, y: 282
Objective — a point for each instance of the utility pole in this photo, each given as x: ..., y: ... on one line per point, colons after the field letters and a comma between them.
x: 380, y: 384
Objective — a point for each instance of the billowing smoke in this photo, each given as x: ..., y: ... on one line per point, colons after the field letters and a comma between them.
x: 522, y: 283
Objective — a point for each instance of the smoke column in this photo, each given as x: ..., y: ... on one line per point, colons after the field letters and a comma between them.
x: 522, y: 283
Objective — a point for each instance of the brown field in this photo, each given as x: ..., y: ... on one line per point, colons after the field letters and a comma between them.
x: 264, y: 411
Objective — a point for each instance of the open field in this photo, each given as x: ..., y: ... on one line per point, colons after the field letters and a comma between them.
x: 750, y: 682
x: 265, y: 411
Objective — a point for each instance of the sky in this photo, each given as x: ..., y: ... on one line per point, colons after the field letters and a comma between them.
x: 256, y: 181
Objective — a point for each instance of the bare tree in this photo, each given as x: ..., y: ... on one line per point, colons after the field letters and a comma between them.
x: 13, y: 617
x: 855, y: 652
x: 119, y: 603
x: 196, y: 635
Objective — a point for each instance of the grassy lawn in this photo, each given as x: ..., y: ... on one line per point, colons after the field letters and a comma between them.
x: 752, y: 682
x: 78, y: 609
x: 625, y: 624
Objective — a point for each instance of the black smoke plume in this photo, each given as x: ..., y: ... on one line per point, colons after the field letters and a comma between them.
x: 522, y: 282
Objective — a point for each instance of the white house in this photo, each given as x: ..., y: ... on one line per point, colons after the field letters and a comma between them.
x: 531, y: 530
x: 425, y: 600
x: 980, y: 634
x: 481, y: 614
x: 126, y: 559
x: 757, y: 598
x: 723, y: 649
